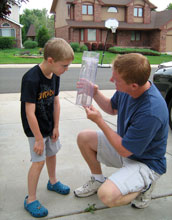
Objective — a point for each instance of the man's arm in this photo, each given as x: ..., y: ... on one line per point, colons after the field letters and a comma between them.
x: 112, y: 136
x: 56, y: 115
x: 103, y: 102
x: 33, y: 124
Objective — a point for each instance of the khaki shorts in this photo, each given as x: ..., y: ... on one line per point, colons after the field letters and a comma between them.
x: 50, y: 149
x: 132, y: 176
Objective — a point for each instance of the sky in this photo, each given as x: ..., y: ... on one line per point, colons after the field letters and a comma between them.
x: 40, y: 4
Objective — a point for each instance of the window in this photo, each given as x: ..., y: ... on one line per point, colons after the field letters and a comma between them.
x: 91, y: 34
x: 138, y: 12
x: 87, y: 9
x: 68, y: 9
x: 112, y: 9
x: 7, y: 32
x: 135, y: 36
x: 5, y: 25
x: 82, y: 34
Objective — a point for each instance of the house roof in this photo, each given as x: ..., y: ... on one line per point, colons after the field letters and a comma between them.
x: 31, y: 31
x: 122, y: 25
x: 11, y: 20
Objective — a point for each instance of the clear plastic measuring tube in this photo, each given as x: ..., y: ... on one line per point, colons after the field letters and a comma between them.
x: 87, y: 78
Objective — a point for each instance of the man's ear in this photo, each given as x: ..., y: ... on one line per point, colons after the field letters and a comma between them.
x: 135, y: 86
x: 50, y: 60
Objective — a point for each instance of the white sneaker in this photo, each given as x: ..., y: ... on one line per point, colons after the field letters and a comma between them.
x: 144, y: 198
x: 88, y: 188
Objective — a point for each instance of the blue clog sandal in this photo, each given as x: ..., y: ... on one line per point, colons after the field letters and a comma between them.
x: 35, y: 208
x: 58, y: 187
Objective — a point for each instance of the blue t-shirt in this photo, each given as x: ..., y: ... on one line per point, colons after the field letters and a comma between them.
x: 143, y: 125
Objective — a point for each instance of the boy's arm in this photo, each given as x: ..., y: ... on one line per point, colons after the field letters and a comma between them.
x: 56, y: 115
x: 33, y: 124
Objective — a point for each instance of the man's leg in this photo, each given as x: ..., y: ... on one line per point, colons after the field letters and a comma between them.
x: 33, y: 177
x: 111, y: 196
x: 87, y: 141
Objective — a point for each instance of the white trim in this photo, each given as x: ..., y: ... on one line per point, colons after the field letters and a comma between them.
x: 9, y: 19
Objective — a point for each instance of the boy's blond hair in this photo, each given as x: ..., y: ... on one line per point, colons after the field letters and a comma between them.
x: 133, y: 68
x: 58, y: 49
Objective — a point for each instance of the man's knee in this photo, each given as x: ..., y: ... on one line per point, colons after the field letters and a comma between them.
x: 87, y: 137
x: 109, y: 194
x: 82, y: 137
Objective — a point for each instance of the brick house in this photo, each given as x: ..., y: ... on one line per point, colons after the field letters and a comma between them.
x: 10, y: 26
x: 83, y: 21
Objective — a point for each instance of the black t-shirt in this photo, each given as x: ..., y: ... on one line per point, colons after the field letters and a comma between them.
x: 38, y: 89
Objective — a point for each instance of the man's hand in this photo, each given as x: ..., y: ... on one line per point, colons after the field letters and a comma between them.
x: 39, y: 147
x: 55, y: 134
x: 93, y: 114
x: 87, y: 87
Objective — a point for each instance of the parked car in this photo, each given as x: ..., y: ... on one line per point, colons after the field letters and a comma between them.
x: 163, y: 80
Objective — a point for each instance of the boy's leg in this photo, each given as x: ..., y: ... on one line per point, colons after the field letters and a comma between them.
x: 51, y: 168
x: 35, y: 170
x: 51, y: 149
x: 33, y: 177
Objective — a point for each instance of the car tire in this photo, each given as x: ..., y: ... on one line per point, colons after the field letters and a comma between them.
x: 170, y: 113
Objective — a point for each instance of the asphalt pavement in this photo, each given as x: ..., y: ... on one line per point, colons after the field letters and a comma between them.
x: 71, y: 169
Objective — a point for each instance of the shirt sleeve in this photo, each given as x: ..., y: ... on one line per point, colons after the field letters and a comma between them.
x: 140, y: 134
x: 29, y: 91
x: 114, y: 100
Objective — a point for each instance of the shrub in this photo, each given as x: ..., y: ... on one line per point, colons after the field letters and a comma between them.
x: 88, y: 44
x: 83, y: 48
x: 30, y: 44
x: 75, y: 46
x: 25, y: 53
x: 7, y: 42
x: 101, y: 46
x: 42, y: 36
x: 94, y: 46
x: 108, y: 46
x: 143, y: 51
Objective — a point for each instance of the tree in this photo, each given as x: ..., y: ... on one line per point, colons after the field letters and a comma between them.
x: 38, y: 18
x: 169, y: 7
x: 5, y: 7
x: 42, y: 36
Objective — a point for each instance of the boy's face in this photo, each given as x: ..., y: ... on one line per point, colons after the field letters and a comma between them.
x: 59, y: 67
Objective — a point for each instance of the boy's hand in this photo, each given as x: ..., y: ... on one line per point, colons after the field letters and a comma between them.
x: 39, y: 147
x: 55, y: 134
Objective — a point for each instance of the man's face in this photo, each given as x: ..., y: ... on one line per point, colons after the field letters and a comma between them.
x: 120, y: 84
x: 59, y: 67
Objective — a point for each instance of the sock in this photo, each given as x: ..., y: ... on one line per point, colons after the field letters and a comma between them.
x: 99, y: 177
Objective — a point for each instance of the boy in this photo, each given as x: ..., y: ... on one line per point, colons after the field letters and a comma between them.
x: 40, y: 110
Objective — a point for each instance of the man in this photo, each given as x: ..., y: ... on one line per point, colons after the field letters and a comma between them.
x: 137, y: 148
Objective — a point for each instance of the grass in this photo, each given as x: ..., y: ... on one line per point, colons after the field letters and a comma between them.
x: 7, y: 56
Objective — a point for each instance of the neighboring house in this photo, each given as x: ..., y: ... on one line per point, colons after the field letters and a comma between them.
x: 10, y: 26
x: 31, y: 34
x: 139, y: 25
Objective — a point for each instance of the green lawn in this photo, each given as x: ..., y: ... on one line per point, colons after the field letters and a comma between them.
x: 12, y: 56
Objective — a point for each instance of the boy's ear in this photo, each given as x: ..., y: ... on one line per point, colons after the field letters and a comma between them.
x: 50, y: 60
